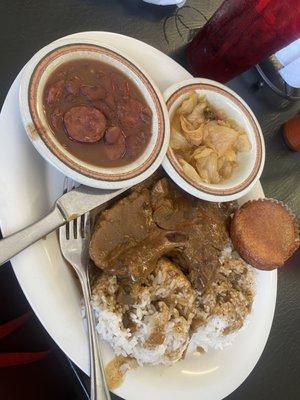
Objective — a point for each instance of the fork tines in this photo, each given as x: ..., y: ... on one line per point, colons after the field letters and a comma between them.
x: 79, y: 226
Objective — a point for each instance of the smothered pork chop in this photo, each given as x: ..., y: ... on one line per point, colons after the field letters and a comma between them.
x: 167, y: 280
x: 162, y: 220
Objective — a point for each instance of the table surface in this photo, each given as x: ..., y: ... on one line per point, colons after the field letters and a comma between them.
x: 28, y: 25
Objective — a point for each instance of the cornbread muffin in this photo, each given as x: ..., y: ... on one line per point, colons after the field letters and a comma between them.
x: 265, y: 233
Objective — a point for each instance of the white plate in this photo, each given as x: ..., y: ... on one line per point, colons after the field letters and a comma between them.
x: 28, y: 188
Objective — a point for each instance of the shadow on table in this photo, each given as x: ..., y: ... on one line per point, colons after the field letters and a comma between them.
x: 31, y: 364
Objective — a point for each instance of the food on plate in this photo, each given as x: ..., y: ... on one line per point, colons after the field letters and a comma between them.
x: 156, y: 321
x: 265, y: 233
x: 97, y: 113
x: 116, y: 369
x: 166, y: 280
x: 206, y: 143
x: 131, y: 236
x: 84, y: 124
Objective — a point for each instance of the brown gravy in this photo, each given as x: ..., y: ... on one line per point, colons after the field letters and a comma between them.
x: 97, y: 113
x: 116, y: 369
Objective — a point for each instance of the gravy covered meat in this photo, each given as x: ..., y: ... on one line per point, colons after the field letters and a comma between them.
x: 160, y: 220
x: 97, y: 113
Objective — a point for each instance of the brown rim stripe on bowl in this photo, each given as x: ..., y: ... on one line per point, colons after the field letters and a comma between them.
x: 45, y: 134
x: 173, y: 159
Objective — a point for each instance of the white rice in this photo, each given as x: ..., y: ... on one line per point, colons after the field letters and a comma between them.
x: 178, y: 317
x: 109, y: 326
x: 211, y: 336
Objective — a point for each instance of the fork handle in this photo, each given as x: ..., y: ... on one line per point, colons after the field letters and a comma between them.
x: 15, y: 243
x: 99, y: 389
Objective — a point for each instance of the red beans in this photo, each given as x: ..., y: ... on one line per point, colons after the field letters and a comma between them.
x: 120, y: 85
x: 134, y: 143
x: 54, y: 92
x: 103, y: 107
x: 56, y: 119
x: 110, y: 101
x: 132, y: 114
x: 73, y: 85
x: 93, y: 92
x: 97, y: 113
x: 85, y: 124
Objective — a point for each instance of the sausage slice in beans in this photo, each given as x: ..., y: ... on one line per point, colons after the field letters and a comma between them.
x: 115, y: 147
x: 85, y: 124
x: 112, y: 134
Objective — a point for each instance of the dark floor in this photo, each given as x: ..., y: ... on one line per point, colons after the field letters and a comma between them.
x: 50, y: 377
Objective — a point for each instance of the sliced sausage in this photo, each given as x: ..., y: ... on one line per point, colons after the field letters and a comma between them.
x: 117, y: 149
x: 112, y: 134
x: 73, y: 85
x: 93, y: 92
x: 85, y: 124
x: 134, y: 144
x: 54, y: 92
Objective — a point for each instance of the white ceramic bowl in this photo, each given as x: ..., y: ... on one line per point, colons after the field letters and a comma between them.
x: 250, y: 164
x: 36, y: 73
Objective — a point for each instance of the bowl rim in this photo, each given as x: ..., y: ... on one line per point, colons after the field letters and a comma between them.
x: 47, y: 147
x: 172, y: 165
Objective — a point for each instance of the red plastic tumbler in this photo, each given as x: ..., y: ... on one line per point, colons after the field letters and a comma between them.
x: 242, y: 33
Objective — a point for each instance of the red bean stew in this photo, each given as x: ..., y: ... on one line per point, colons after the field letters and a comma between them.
x: 97, y: 113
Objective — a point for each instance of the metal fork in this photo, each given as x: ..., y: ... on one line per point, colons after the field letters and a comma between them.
x: 74, y: 240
